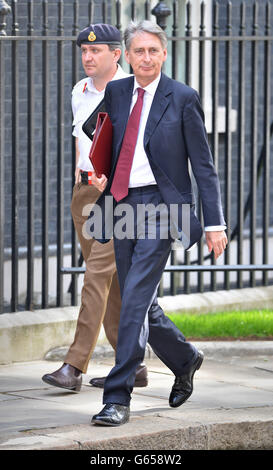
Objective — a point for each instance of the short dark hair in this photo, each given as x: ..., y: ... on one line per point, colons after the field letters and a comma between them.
x: 113, y: 47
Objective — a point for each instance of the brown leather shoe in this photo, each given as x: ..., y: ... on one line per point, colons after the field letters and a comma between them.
x: 67, y: 376
x: 141, y: 379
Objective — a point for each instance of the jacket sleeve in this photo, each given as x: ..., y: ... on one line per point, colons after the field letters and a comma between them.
x: 201, y: 161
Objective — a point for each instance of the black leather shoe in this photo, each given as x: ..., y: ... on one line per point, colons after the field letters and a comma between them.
x: 141, y: 379
x: 112, y: 415
x: 183, y: 385
x: 68, y: 377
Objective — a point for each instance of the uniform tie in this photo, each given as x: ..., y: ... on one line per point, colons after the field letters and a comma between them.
x: 119, y: 187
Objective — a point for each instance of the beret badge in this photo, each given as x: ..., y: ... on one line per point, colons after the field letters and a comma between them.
x: 92, y: 37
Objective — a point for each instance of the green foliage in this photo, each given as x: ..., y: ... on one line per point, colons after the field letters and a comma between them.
x: 255, y: 323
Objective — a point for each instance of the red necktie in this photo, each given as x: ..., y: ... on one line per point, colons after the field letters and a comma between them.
x: 119, y: 187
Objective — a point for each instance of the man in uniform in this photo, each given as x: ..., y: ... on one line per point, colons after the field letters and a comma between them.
x: 101, y: 49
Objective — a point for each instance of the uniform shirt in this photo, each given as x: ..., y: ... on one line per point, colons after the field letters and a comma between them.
x: 141, y: 172
x: 85, y: 99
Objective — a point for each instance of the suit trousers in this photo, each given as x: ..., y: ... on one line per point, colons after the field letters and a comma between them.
x: 140, y: 263
x: 100, y: 296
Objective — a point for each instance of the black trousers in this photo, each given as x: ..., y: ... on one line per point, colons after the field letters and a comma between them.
x: 140, y: 263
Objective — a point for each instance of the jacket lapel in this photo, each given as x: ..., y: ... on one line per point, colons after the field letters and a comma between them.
x: 123, y: 108
x: 160, y: 103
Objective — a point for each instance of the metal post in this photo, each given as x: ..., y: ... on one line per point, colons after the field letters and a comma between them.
x: 241, y: 147
x: 174, y: 43
x: 215, y: 105
x: 31, y: 156
x: 254, y: 142
x: 147, y: 8
x: 60, y: 157
x: 202, y: 52
x: 188, y: 29
x: 228, y: 141
x: 161, y: 11
x: 4, y: 11
x: 133, y: 10
x: 266, y: 168
x: 103, y: 11
x: 90, y: 12
x: 15, y: 159
x: 188, y: 79
x: 45, y: 157
x: 73, y: 288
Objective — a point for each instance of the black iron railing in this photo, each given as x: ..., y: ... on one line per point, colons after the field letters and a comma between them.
x: 233, y: 50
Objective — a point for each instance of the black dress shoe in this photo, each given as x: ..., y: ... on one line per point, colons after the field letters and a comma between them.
x: 112, y: 415
x: 68, y: 377
x: 141, y: 379
x: 183, y: 385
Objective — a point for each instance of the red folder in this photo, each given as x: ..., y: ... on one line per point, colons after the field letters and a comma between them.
x: 101, y: 149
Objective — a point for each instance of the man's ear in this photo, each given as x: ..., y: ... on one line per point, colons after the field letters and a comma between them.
x: 117, y: 54
x: 126, y: 53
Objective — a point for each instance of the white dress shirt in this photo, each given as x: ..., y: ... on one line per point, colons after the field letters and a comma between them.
x: 141, y: 172
x: 85, y: 99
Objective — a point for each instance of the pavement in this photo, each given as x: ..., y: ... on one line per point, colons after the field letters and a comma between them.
x: 231, y: 407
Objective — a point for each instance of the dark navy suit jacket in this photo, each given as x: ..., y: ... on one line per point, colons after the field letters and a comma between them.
x: 174, y: 134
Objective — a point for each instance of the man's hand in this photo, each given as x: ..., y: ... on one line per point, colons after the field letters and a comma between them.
x: 78, y: 177
x: 100, y: 183
x: 216, y: 241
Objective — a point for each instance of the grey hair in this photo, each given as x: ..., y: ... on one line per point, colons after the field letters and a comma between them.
x: 144, y: 26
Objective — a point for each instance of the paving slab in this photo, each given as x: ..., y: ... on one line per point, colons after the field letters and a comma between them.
x: 231, y: 408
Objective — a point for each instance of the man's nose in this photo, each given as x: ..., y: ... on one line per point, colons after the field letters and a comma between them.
x: 147, y: 57
x: 89, y: 56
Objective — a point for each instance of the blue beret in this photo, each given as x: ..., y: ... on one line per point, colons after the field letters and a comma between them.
x: 99, y: 33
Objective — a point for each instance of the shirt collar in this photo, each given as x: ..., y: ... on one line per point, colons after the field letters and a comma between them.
x: 151, y: 88
x: 90, y: 86
x: 119, y: 73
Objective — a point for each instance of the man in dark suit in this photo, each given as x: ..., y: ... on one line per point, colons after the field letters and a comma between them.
x: 158, y: 127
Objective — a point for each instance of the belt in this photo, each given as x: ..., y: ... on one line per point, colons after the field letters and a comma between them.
x: 143, y: 189
x: 86, y: 177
